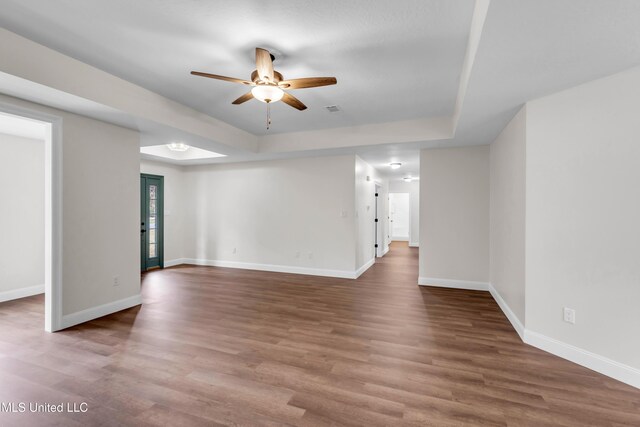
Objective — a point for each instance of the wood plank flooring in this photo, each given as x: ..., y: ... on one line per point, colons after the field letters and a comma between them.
x: 214, y: 346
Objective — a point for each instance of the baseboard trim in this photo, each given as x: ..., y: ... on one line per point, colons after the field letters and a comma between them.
x: 99, y: 311
x: 399, y: 239
x: 174, y: 262
x: 365, y: 267
x: 414, y: 244
x: 21, y: 293
x: 452, y: 283
x: 511, y: 316
x: 616, y: 370
x: 341, y: 274
x: 595, y: 362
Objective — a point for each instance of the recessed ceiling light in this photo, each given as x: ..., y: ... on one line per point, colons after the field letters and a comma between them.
x: 395, y: 165
x: 178, y: 146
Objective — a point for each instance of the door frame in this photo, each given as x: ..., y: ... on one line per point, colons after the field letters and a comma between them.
x: 378, y: 230
x: 159, y: 221
x: 53, y: 212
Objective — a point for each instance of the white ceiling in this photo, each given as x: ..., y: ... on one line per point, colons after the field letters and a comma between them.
x: 23, y: 127
x: 528, y: 48
x: 393, y: 60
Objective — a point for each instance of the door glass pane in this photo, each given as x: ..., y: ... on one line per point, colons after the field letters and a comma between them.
x: 152, y: 192
x: 152, y: 222
x: 152, y: 250
x: 152, y: 236
x: 152, y: 207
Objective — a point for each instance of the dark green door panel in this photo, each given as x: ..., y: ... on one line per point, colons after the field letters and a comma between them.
x: 151, y: 222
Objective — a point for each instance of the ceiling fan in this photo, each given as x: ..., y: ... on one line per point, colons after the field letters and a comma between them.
x: 269, y: 86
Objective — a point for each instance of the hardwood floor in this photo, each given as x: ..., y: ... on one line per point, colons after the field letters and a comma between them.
x: 215, y: 346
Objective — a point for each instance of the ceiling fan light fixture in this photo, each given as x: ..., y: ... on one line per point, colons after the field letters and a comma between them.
x: 178, y: 146
x: 267, y: 93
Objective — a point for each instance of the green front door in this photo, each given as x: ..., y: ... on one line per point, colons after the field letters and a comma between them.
x: 151, y: 222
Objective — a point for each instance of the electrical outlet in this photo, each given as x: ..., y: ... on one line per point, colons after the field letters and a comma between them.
x: 569, y: 315
x: 116, y: 281
x: 235, y: 250
x: 298, y: 254
x: 310, y: 255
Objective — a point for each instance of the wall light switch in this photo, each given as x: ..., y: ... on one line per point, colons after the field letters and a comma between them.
x: 343, y: 214
x: 569, y: 315
x: 116, y: 280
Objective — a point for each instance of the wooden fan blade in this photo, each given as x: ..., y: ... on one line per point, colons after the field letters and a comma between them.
x: 217, y: 77
x: 244, y: 98
x: 264, y: 65
x: 308, y: 82
x: 293, y: 101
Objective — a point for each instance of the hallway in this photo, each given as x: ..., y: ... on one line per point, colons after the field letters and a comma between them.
x: 217, y: 346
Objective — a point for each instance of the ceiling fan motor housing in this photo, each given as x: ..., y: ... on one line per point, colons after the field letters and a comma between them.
x: 277, y: 77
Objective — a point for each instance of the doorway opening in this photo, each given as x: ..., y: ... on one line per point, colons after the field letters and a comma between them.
x: 31, y: 214
x: 151, y: 222
x: 399, y: 217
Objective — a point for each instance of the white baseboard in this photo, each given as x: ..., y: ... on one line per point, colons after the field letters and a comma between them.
x: 365, y: 267
x: 451, y: 283
x: 99, y: 311
x: 413, y: 244
x: 595, y: 362
x: 21, y: 293
x: 399, y: 239
x: 511, y: 316
x: 386, y: 251
x: 343, y: 274
x: 174, y: 262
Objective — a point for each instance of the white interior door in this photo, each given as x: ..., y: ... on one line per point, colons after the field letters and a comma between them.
x: 399, y: 216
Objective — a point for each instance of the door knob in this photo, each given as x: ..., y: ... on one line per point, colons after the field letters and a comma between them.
x: 143, y: 231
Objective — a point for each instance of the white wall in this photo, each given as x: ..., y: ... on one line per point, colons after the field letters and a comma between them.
x: 365, y: 211
x: 100, y: 236
x: 413, y: 188
x: 174, y: 201
x: 285, y: 213
x: 508, y: 214
x: 454, y: 215
x: 583, y: 216
x: 21, y: 216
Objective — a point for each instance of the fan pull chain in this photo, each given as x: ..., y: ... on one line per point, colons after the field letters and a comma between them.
x: 268, y: 115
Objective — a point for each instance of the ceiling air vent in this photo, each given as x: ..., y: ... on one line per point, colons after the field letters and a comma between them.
x: 332, y: 108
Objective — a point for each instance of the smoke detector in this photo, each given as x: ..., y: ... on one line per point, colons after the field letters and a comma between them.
x: 332, y: 108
